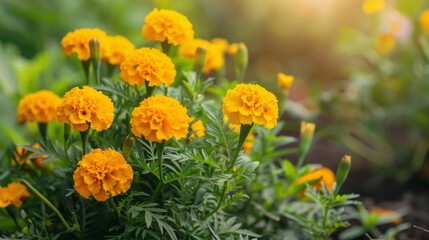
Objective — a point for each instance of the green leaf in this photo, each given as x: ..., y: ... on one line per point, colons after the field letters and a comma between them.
x: 148, y: 218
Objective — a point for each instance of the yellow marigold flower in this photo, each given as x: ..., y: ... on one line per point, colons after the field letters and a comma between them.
x: 78, y: 42
x: 251, y: 103
x: 214, y: 57
x: 13, y: 194
x: 198, y: 128
x: 232, y: 49
x: 424, y: 20
x: 385, y: 43
x: 117, y: 48
x: 101, y: 174
x: 221, y: 44
x: 326, y: 176
x: 160, y: 118
x: 284, y: 82
x: 86, y: 107
x: 23, y: 155
x: 167, y: 25
x: 373, y: 6
x: 38, y: 107
x: 148, y: 64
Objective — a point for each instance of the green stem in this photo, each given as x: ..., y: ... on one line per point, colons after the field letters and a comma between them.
x: 325, y: 215
x: 160, y: 150
x: 244, y: 132
x: 149, y: 90
x: 114, y: 208
x: 9, y: 211
x: 86, y: 64
x: 304, y: 149
x: 219, y: 204
x: 84, y: 137
x: 43, y: 129
x: 46, y: 201
x: 165, y: 47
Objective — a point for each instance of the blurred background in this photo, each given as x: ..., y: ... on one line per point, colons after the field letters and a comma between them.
x: 365, y: 91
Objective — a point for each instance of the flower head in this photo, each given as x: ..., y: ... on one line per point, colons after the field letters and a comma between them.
x: 385, y: 43
x: 307, y: 129
x: 214, y: 57
x: 78, y: 42
x: 397, y: 24
x: 86, y: 107
x: 167, y: 25
x: 221, y: 44
x: 101, y: 174
x: 373, y: 6
x: 424, y: 20
x: 198, y: 128
x: 284, y: 82
x: 38, y: 107
x: 148, y: 64
x: 13, y: 194
x: 325, y: 175
x: 117, y: 48
x: 23, y: 155
x: 160, y: 118
x: 251, y: 103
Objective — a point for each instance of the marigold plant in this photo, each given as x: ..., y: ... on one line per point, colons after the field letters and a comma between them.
x: 148, y: 64
x: 198, y: 128
x: 77, y: 42
x: 284, y: 82
x: 23, y: 155
x: 101, y: 174
x: 251, y: 103
x: 117, y: 48
x: 160, y: 118
x: 85, y: 107
x: 214, y: 58
x: 167, y: 25
x: 38, y: 107
x: 13, y: 194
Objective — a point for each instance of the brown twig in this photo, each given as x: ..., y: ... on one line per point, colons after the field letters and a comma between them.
x: 426, y: 230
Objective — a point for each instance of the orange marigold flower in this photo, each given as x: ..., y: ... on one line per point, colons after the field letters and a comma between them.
x: 251, y: 103
x: 101, y: 174
x: 38, y: 107
x: 117, y: 48
x: 167, y: 25
x: 160, y: 118
x: 284, y: 82
x: 424, y: 20
x: 198, y: 128
x: 326, y: 176
x: 23, y: 155
x: 373, y: 6
x: 13, y: 194
x: 86, y: 107
x: 381, y: 212
x: 214, y: 57
x: 78, y: 42
x: 148, y: 64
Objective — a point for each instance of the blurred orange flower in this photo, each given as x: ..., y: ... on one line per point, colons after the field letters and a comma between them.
x: 38, y: 107
x: 373, y: 6
x: 326, y: 176
x: 101, y: 174
x: 284, y: 82
x: 251, y: 103
x: 197, y: 128
x: 385, y: 43
x: 148, y: 64
x: 167, y: 25
x: 424, y: 20
x: 23, y: 155
x: 214, y: 57
x: 160, y: 118
x: 86, y: 107
x: 13, y: 194
x: 117, y: 48
x: 77, y: 42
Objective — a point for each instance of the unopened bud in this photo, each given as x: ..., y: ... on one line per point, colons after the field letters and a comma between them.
x: 95, y: 50
x: 200, y: 59
x: 241, y: 61
x: 284, y: 82
x: 342, y: 172
x: 307, y: 129
x: 128, y: 145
